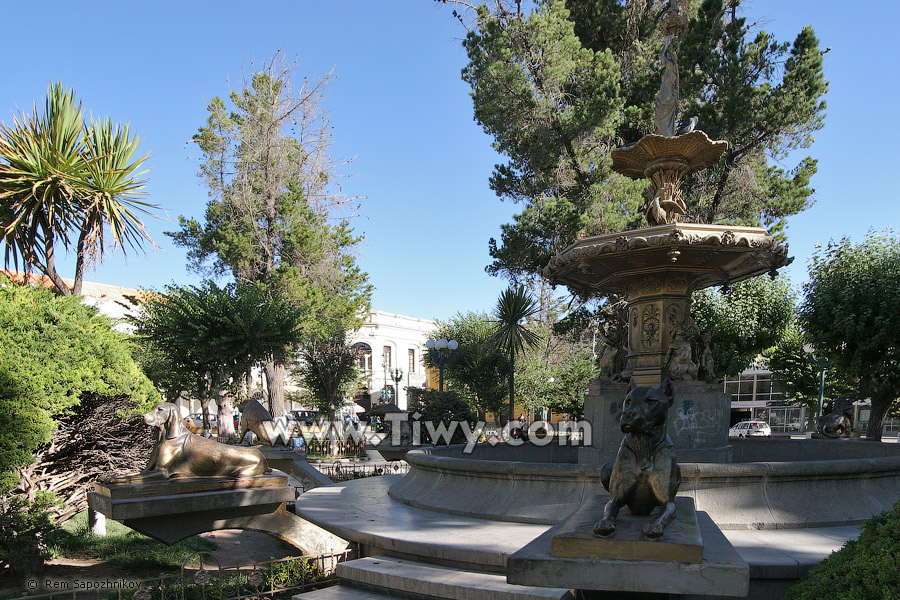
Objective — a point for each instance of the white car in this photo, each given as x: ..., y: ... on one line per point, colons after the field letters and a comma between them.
x: 750, y: 429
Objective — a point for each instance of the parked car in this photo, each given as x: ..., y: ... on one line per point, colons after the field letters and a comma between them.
x: 750, y: 429
x: 194, y: 422
x: 306, y: 417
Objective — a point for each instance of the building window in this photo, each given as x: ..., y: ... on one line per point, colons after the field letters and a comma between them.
x: 412, y: 361
x: 364, y: 360
x: 387, y: 357
x: 754, y: 387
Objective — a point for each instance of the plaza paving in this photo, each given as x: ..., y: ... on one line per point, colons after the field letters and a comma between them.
x: 363, y: 512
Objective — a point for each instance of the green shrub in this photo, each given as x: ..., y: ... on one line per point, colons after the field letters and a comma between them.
x: 864, y: 569
x: 25, y: 530
x: 54, y: 349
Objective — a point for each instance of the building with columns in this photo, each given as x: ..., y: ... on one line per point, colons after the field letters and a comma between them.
x: 389, y: 341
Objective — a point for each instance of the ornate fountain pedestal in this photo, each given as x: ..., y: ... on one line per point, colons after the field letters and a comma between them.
x: 697, y: 422
x: 658, y: 268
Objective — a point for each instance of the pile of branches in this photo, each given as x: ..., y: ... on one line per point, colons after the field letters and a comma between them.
x: 91, y: 443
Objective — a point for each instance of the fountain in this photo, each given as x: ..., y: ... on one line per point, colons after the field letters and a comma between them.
x: 748, y: 484
x: 508, y: 490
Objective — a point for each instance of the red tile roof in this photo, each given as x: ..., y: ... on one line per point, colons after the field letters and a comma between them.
x: 89, y: 289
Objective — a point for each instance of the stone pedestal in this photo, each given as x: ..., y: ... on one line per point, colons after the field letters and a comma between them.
x: 681, y: 541
x: 720, y: 572
x: 697, y: 422
x: 150, y: 500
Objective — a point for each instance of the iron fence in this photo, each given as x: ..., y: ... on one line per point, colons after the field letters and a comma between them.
x: 326, y: 448
x: 274, y: 580
x: 342, y: 471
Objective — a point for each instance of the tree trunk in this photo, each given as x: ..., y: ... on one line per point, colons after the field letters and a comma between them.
x: 248, y: 384
x: 275, y: 381
x: 881, y: 402
x: 203, y: 397
x: 49, y: 268
x: 80, y: 258
x: 225, y: 402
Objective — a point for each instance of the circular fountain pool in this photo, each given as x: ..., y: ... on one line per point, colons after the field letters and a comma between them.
x: 770, y: 484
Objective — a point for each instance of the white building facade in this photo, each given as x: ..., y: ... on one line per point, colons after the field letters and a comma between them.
x: 387, y: 342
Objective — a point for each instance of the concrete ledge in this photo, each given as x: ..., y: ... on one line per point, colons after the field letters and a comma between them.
x: 361, y: 511
x: 417, y: 579
x: 262, y: 500
x: 777, y: 449
x: 182, y: 508
x: 295, y: 465
x: 340, y: 592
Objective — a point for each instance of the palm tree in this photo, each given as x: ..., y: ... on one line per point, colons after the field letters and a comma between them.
x: 109, y: 190
x: 514, y: 307
x: 40, y: 167
x: 59, y: 175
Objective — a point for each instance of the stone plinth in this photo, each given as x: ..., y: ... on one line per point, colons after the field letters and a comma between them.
x: 249, y: 495
x: 187, y: 485
x: 174, y: 509
x: 721, y: 571
x: 697, y: 422
x: 681, y: 541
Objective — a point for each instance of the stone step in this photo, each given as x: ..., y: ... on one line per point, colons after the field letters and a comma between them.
x: 340, y: 592
x: 381, y: 573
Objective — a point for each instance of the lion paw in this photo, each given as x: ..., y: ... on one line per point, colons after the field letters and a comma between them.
x: 653, y: 530
x: 604, y: 527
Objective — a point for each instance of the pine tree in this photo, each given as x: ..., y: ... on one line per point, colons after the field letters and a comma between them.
x: 273, y: 199
x: 560, y: 87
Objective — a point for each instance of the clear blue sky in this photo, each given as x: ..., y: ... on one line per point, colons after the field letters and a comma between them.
x: 401, y: 111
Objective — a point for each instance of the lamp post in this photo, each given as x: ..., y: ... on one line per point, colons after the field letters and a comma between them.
x: 397, y: 377
x: 821, y: 362
x: 439, y: 357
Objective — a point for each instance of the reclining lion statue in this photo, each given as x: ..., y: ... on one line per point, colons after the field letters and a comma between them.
x: 179, y: 453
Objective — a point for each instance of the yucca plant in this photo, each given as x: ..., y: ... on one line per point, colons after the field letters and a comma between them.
x: 40, y: 171
x: 514, y: 307
x: 59, y: 175
x: 110, y: 189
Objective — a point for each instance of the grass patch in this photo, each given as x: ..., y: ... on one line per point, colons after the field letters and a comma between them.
x: 123, y: 547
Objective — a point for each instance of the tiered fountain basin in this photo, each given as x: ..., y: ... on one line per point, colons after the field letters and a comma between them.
x: 771, y: 484
x: 658, y: 268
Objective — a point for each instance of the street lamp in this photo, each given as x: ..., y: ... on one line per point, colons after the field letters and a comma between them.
x: 821, y: 362
x: 397, y: 377
x: 436, y: 352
